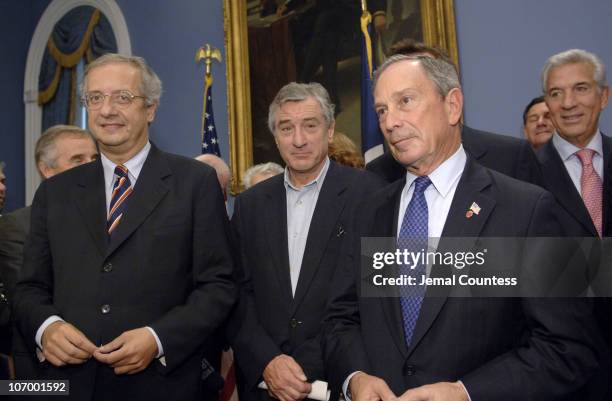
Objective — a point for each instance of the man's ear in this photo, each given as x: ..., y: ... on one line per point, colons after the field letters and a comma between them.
x: 151, y: 110
x: 44, y: 170
x: 330, y: 131
x: 454, y: 104
x: 605, y: 94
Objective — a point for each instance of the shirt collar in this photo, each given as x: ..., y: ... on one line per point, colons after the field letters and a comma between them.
x: 134, y: 165
x: 567, y: 149
x: 447, y: 173
x: 317, y: 182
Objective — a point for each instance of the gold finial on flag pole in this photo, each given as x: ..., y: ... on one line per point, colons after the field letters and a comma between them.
x: 208, y: 53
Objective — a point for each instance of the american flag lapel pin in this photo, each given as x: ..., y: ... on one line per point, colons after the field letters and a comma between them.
x: 474, y: 210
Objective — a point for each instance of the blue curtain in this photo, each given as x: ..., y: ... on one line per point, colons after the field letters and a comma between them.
x: 83, y: 33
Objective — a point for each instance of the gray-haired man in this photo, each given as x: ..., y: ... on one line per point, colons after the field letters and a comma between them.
x: 128, y: 273
x: 288, y: 231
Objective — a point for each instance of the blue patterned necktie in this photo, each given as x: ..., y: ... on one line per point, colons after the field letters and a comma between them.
x: 413, y: 238
x: 121, y: 191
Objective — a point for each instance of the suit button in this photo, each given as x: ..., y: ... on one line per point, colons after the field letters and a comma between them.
x: 107, y: 267
x: 409, y: 370
x: 294, y: 323
x: 105, y: 309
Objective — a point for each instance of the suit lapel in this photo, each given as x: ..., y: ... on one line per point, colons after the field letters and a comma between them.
x: 276, y: 227
x: 474, y: 180
x: 385, y: 225
x: 90, y: 198
x: 330, y: 203
x: 557, y: 180
x: 148, y: 192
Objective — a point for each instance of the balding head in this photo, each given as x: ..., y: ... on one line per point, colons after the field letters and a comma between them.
x: 222, y: 169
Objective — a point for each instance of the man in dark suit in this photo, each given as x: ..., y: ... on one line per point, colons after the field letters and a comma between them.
x: 576, y: 93
x: 58, y: 149
x: 511, y: 156
x: 127, y: 271
x: 576, y: 165
x: 288, y: 232
x: 448, y: 348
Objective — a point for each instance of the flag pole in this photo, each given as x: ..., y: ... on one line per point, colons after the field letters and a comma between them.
x: 208, y: 54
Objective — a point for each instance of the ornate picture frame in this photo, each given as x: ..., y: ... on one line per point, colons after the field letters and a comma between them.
x: 438, y: 28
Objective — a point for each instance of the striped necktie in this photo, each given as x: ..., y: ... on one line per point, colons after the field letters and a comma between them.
x: 413, y: 238
x: 121, y: 191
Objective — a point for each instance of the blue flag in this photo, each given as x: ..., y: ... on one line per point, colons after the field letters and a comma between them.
x: 210, y: 143
x: 371, y: 137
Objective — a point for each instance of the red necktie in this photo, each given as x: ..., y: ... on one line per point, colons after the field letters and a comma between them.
x: 592, y: 187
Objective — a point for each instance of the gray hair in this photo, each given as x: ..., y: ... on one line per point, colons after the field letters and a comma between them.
x: 150, y: 84
x: 270, y: 168
x: 297, y: 92
x: 2, y: 165
x: 441, y: 73
x: 574, y: 56
x: 45, y: 150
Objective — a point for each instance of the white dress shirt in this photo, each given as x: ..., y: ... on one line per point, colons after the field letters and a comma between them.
x: 572, y: 163
x: 439, y: 196
x: 134, y: 166
x: 301, y: 203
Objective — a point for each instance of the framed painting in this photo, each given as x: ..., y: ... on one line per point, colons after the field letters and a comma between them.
x: 267, y: 47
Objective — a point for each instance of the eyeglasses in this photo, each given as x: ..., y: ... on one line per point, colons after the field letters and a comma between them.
x: 121, y: 99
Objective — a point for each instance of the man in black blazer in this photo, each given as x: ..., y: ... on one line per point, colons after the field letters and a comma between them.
x: 453, y: 348
x: 288, y: 231
x: 58, y: 149
x: 576, y: 92
x: 127, y: 271
x: 511, y: 156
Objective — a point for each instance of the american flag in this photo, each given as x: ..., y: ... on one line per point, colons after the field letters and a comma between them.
x: 210, y: 142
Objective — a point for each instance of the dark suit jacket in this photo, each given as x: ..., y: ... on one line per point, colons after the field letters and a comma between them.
x: 168, y: 266
x: 556, y: 180
x: 501, y: 348
x: 269, y: 321
x: 14, y: 228
x: 511, y: 156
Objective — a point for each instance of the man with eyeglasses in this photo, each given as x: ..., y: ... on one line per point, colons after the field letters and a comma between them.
x: 128, y: 273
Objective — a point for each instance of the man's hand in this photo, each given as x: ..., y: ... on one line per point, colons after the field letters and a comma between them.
x: 364, y: 387
x: 63, y: 344
x: 286, y: 379
x: 129, y: 353
x: 443, y: 391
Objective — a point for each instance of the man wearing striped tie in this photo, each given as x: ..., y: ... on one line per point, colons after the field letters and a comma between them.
x: 128, y: 272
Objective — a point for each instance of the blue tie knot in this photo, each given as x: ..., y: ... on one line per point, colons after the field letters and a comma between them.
x: 421, y: 184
